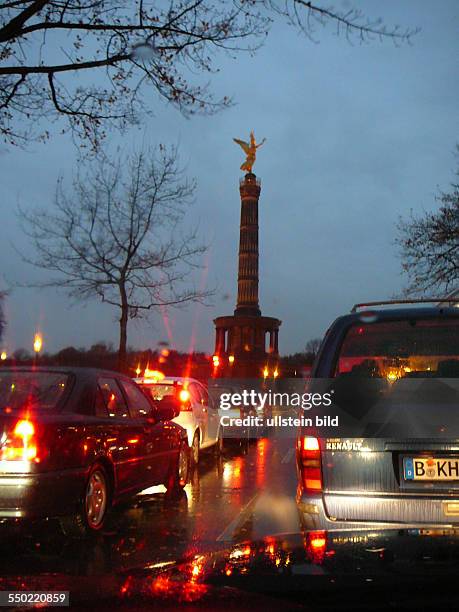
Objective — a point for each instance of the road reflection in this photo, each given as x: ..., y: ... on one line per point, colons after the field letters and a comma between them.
x: 151, y: 529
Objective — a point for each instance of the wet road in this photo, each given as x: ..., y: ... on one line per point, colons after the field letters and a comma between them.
x: 248, y: 493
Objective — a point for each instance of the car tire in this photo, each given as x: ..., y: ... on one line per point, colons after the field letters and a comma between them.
x: 195, y: 449
x: 92, y: 510
x: 180, y: 473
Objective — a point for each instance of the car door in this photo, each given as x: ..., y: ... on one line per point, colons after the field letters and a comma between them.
x: 157, y: 442
x: 200, y: 411
x: 212, y: 415
x: 125, y: 437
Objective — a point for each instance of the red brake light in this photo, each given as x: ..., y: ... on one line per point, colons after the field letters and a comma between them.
x: 310, y: 444
x: 310, y: 464
x: 184, y: 395
x: 21, y: 445
x: 185, y: 400
x: 24, y: 429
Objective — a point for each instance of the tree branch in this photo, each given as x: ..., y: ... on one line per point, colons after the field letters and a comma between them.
x: 13, y: 28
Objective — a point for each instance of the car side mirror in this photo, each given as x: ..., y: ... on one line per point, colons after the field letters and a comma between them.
x: 167, y: 409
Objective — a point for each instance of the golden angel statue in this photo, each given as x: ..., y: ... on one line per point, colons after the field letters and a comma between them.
x: 250, y: 149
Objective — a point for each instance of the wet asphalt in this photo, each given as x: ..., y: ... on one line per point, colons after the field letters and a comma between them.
x: 247, y: 493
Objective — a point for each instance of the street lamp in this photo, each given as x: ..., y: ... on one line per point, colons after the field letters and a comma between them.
x: 37, y: 344
x: 3, y: 355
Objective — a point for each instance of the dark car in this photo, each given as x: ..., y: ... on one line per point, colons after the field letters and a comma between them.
x: 75, y: 441
x: 394, y: 375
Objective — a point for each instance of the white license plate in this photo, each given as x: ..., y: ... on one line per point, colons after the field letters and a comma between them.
x: 431, y: 468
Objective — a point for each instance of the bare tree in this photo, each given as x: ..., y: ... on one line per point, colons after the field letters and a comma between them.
x: 429, y: 246
x: 312, y: 346
x: 91, y: 62
x: 117, y: 237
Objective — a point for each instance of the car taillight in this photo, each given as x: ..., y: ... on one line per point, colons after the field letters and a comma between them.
x: 310, y: 464
x: 185, y: 400
x: 21, y: 444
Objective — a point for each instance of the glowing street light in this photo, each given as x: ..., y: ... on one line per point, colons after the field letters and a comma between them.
x: 216, y: 361
x: 37, y: 343
x: 3, y: 355
x: 275, y: 373
x: 138, y: 371
x: 265, y: 372
x: 231, y: 359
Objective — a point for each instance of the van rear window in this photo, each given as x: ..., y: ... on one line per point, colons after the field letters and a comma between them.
x: 398, y: 349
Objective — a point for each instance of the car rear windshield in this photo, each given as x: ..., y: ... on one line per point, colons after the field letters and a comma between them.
x: 405, y: 348
x: 158, y: 391
x: 31, y: 390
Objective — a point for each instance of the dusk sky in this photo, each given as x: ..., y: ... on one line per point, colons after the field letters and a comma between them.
x: 356, y: 136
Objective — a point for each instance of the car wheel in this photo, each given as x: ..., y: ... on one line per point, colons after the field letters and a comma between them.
x: 180, y: 473
x: 195, y: 448
x: 90, y: 516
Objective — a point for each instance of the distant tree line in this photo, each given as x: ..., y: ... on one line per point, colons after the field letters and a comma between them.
x: 293, y: 365
x: 170, y: 362
x: 103, y: 355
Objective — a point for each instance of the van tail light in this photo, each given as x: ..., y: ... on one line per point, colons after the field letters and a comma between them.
x: 21, y: 444
x: 185, y: 400
x: 310, y: 464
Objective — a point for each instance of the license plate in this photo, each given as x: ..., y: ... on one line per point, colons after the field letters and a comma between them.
x: 431, y: 468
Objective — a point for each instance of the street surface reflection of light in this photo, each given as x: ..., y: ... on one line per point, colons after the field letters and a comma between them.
x: 237, y: 553
x: 154, y: 490
x: 232, y: 471
x: 189, y: 496
x: 197, y: 568
x: 227, y: 471
x: 237, y: 471
x: 126, y: 586
x: 316, y: 546
x: 262, y: 445
x: 160, y: 564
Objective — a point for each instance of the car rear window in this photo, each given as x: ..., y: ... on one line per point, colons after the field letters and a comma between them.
x: 31, y: 390
x: 404, y: 348
x: 159, y: 390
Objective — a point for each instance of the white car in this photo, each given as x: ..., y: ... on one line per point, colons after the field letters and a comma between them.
x: 198, y: 415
